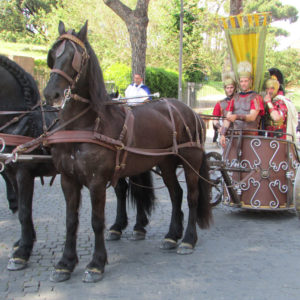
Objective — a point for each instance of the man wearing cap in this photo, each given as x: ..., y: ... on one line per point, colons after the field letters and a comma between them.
x: 220, y: 107
x: 246, y: 108
x: 281, y: 115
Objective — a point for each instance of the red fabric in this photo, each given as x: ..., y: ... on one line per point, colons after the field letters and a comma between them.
x: 281, y: 108
x: 217, y: 110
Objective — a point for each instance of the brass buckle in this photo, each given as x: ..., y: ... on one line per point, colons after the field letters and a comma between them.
x: 120, y: 147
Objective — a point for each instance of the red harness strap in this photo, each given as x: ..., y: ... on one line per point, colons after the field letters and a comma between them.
x: 15, y: 140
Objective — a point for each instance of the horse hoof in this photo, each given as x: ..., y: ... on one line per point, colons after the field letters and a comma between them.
x: 113, y: 235
x: 16, y: 264
x: 138, y: 236
x: 14, y: 209
x: 168, y: 244
x: 185, y: 248
x: 92, y: 276
x: 60, y: 275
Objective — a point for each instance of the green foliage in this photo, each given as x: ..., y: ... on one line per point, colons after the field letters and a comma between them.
x: 278, y: 10
x: 204, y: 45
x: 289, y: 64
x: 163, y: 81
x: 23, y: 19
x: 157, y: 79
x: 120, y: 74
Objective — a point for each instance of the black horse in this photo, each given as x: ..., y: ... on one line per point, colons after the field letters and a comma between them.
x: 166, y: 126
x: 19, y: 92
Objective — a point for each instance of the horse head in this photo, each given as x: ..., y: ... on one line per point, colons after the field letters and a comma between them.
x: 68, y: 60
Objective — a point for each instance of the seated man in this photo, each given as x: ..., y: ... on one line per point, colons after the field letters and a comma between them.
x: 246, y: 108
x: 220, y: 107
x: 281, y: 115
x: 137, y: 89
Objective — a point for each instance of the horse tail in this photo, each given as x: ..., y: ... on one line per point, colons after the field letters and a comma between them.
x: 141, y: 189
x: 204, y: 214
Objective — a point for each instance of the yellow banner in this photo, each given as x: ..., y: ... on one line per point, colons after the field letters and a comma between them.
x: 245, y: 36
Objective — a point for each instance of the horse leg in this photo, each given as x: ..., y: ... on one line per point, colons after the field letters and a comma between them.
x: 72, y: 192
x: 10, y: 193
x: 23, y: 248
x: 142, y: 195
x: 121, y: 221
x: 175, y: 191
x: 95, y: 269
x: 198, y: 201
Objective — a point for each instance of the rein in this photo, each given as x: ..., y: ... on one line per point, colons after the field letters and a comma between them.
x: 16, y: 119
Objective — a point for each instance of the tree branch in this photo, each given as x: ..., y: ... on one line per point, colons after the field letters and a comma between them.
x: 142, y: 5
x: 119, y: 8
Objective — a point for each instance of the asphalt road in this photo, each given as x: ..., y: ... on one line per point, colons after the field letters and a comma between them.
x: 244, y: 255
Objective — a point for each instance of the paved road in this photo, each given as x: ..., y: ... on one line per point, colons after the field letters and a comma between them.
x: 245, y: 255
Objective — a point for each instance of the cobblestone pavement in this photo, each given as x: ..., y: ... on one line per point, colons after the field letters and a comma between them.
x: 245, y: 255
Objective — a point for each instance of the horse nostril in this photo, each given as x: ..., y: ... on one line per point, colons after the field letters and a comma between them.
x: 56, y: 96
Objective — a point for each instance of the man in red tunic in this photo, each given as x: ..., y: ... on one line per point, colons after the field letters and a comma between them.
x: 281, y: 115
x: 245, y: 108
x: 220, y: 107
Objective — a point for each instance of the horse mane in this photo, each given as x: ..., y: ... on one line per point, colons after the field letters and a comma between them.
x: 97, y: 87
x: 26, y: 81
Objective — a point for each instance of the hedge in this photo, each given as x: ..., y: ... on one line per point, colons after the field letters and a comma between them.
x: 157, y: 79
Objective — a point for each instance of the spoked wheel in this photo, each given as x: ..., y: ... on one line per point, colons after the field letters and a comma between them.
x: 215, y: 176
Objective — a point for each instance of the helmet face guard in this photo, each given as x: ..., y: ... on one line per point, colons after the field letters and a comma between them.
x: 273, y: 83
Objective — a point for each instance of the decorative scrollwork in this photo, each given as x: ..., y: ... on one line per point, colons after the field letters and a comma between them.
x: 283, y: 164
x: 255, y: 203
x: 256, y: 143
x: 282, y: 188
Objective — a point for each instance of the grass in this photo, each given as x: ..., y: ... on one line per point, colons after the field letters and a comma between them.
x: 23, y: 49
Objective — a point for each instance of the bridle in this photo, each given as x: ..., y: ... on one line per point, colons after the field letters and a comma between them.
x: 78, y: 63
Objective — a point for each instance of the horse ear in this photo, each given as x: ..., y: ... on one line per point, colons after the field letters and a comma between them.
x: 61, y: 28
x: 82, y: 34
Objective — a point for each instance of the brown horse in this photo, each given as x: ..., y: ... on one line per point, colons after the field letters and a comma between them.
x: 159, y: 127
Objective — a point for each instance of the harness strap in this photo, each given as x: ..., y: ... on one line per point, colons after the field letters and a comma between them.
x: 183, y: 121
x: 15, y: 140
x: 175, y: 147
x: 63, y: 74
x: 17, y: 119
x: 127, y: 131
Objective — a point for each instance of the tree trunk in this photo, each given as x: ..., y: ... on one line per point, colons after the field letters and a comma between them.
x: 236, y: 7
x: 136, y: 22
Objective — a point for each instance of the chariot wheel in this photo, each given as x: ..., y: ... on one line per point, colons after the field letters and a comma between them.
x: 219, y: 177
x: 215, y: 176
x: 297, y: 192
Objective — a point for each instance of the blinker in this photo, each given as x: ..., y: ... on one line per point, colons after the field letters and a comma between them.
x: 60, y: 50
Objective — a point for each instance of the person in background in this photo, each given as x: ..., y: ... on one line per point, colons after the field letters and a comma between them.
x: 220, y: 107
x: 281, y: 115
x: 245, y: 108
x: 137, y: 89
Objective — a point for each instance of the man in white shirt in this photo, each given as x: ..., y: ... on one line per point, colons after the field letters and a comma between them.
x: 137, y: 89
